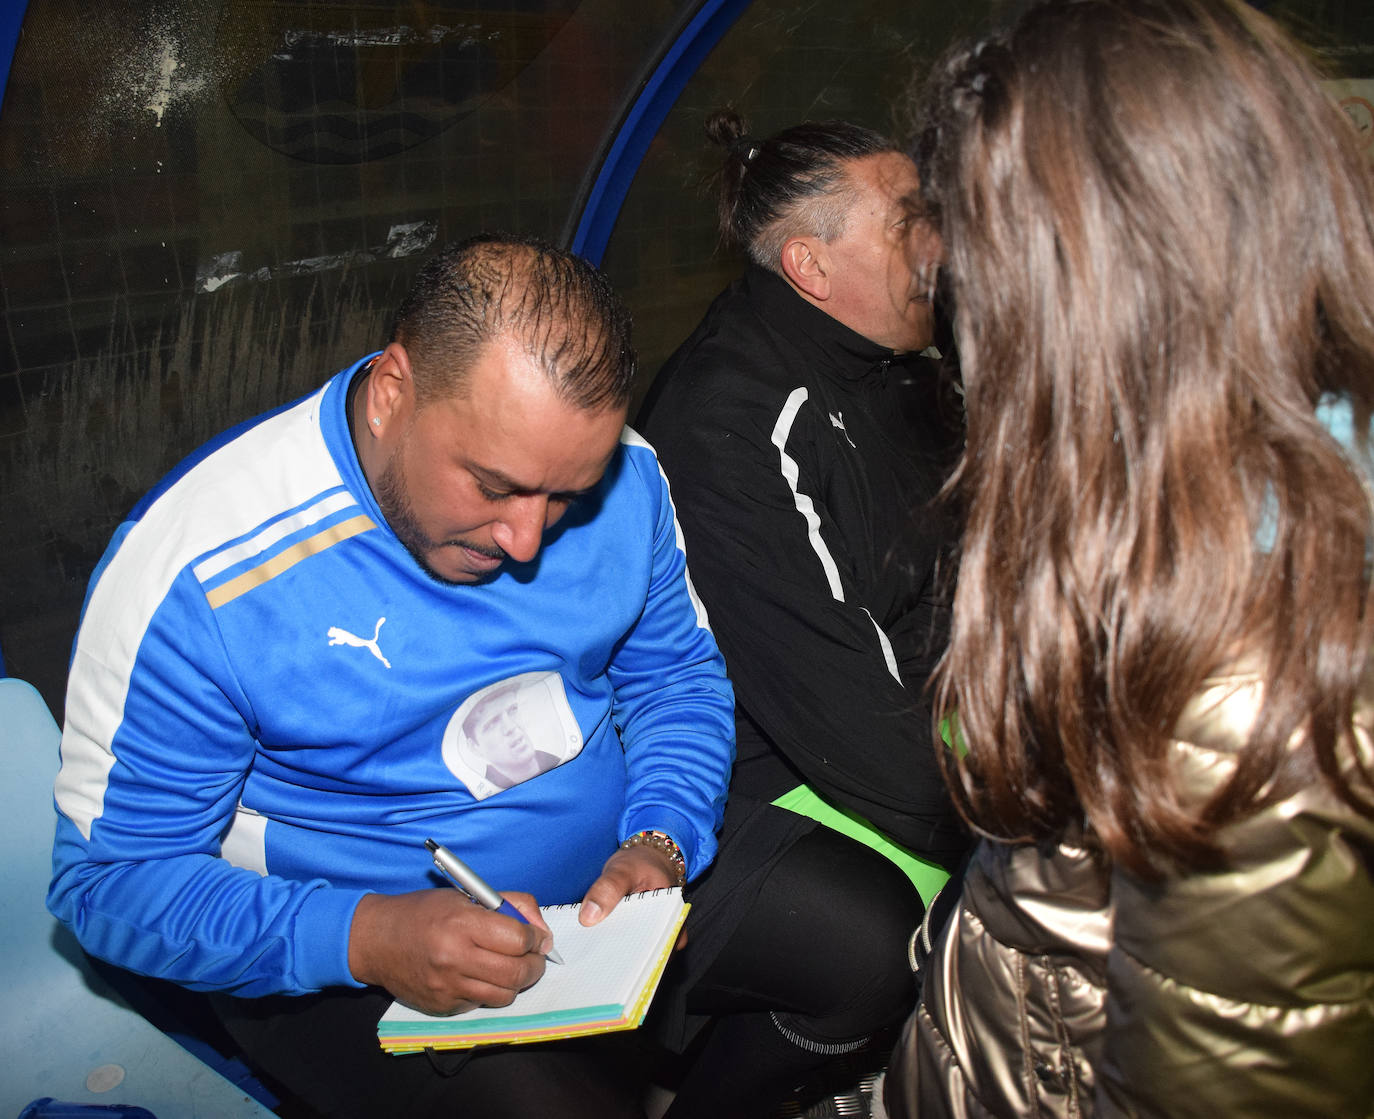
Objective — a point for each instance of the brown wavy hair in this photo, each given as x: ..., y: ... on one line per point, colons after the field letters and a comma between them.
x: 1158, y: 233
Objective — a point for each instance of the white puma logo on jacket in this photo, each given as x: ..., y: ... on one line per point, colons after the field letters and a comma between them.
x: 339, y: 636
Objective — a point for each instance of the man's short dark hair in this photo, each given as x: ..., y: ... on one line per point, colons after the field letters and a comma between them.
x: 490, y: 287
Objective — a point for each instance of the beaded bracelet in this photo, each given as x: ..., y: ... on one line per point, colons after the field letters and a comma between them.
x: 664, y: 844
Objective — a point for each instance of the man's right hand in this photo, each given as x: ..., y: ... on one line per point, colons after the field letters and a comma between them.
x: 436, y: 951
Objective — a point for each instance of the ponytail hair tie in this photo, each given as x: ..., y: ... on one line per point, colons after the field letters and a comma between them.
x: 744, y: 148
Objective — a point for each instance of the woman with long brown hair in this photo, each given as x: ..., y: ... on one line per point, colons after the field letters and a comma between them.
x: 1158, y: 234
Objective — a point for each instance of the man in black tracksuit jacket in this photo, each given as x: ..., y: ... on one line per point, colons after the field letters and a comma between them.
x: 802, y: 460
x: 804, y: 439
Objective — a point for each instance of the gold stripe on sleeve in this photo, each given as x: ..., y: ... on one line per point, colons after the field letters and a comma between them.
x: 241, y: 584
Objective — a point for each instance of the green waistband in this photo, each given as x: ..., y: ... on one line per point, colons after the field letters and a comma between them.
x: 926, y: 877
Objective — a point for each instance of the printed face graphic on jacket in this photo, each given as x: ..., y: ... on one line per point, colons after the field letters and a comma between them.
x: 511, y: 732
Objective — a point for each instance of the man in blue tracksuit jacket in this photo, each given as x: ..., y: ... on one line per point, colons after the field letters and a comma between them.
x: 266, y: 709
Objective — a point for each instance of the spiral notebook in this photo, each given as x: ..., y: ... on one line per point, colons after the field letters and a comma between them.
x: 608, y: 976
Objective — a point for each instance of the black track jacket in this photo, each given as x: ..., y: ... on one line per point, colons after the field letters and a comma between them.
x: 801, y: 458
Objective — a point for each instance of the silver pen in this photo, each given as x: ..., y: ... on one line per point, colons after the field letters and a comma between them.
x: 466, y: 879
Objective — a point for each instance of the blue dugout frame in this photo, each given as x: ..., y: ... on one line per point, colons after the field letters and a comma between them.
x: 699, y: 28
x: 11, y: 20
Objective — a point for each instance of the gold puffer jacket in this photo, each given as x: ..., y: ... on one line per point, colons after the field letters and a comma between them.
x: 1064, y: 987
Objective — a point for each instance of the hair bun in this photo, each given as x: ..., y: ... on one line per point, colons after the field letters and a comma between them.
x: 725, y: 127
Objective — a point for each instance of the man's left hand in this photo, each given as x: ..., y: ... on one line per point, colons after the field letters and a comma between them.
x: 629, y: 870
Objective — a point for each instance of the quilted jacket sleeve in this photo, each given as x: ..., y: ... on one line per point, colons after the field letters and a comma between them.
x: 1249, y: 991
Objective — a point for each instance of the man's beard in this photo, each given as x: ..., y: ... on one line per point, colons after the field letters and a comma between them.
x: 394, y: 502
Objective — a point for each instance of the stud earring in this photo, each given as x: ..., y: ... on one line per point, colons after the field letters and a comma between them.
x: 376, y: 421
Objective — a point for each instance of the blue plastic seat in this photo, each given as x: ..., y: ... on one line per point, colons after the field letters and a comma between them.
x: 64, y: 1031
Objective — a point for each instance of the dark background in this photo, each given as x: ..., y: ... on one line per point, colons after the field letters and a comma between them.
x: 209, y: 206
